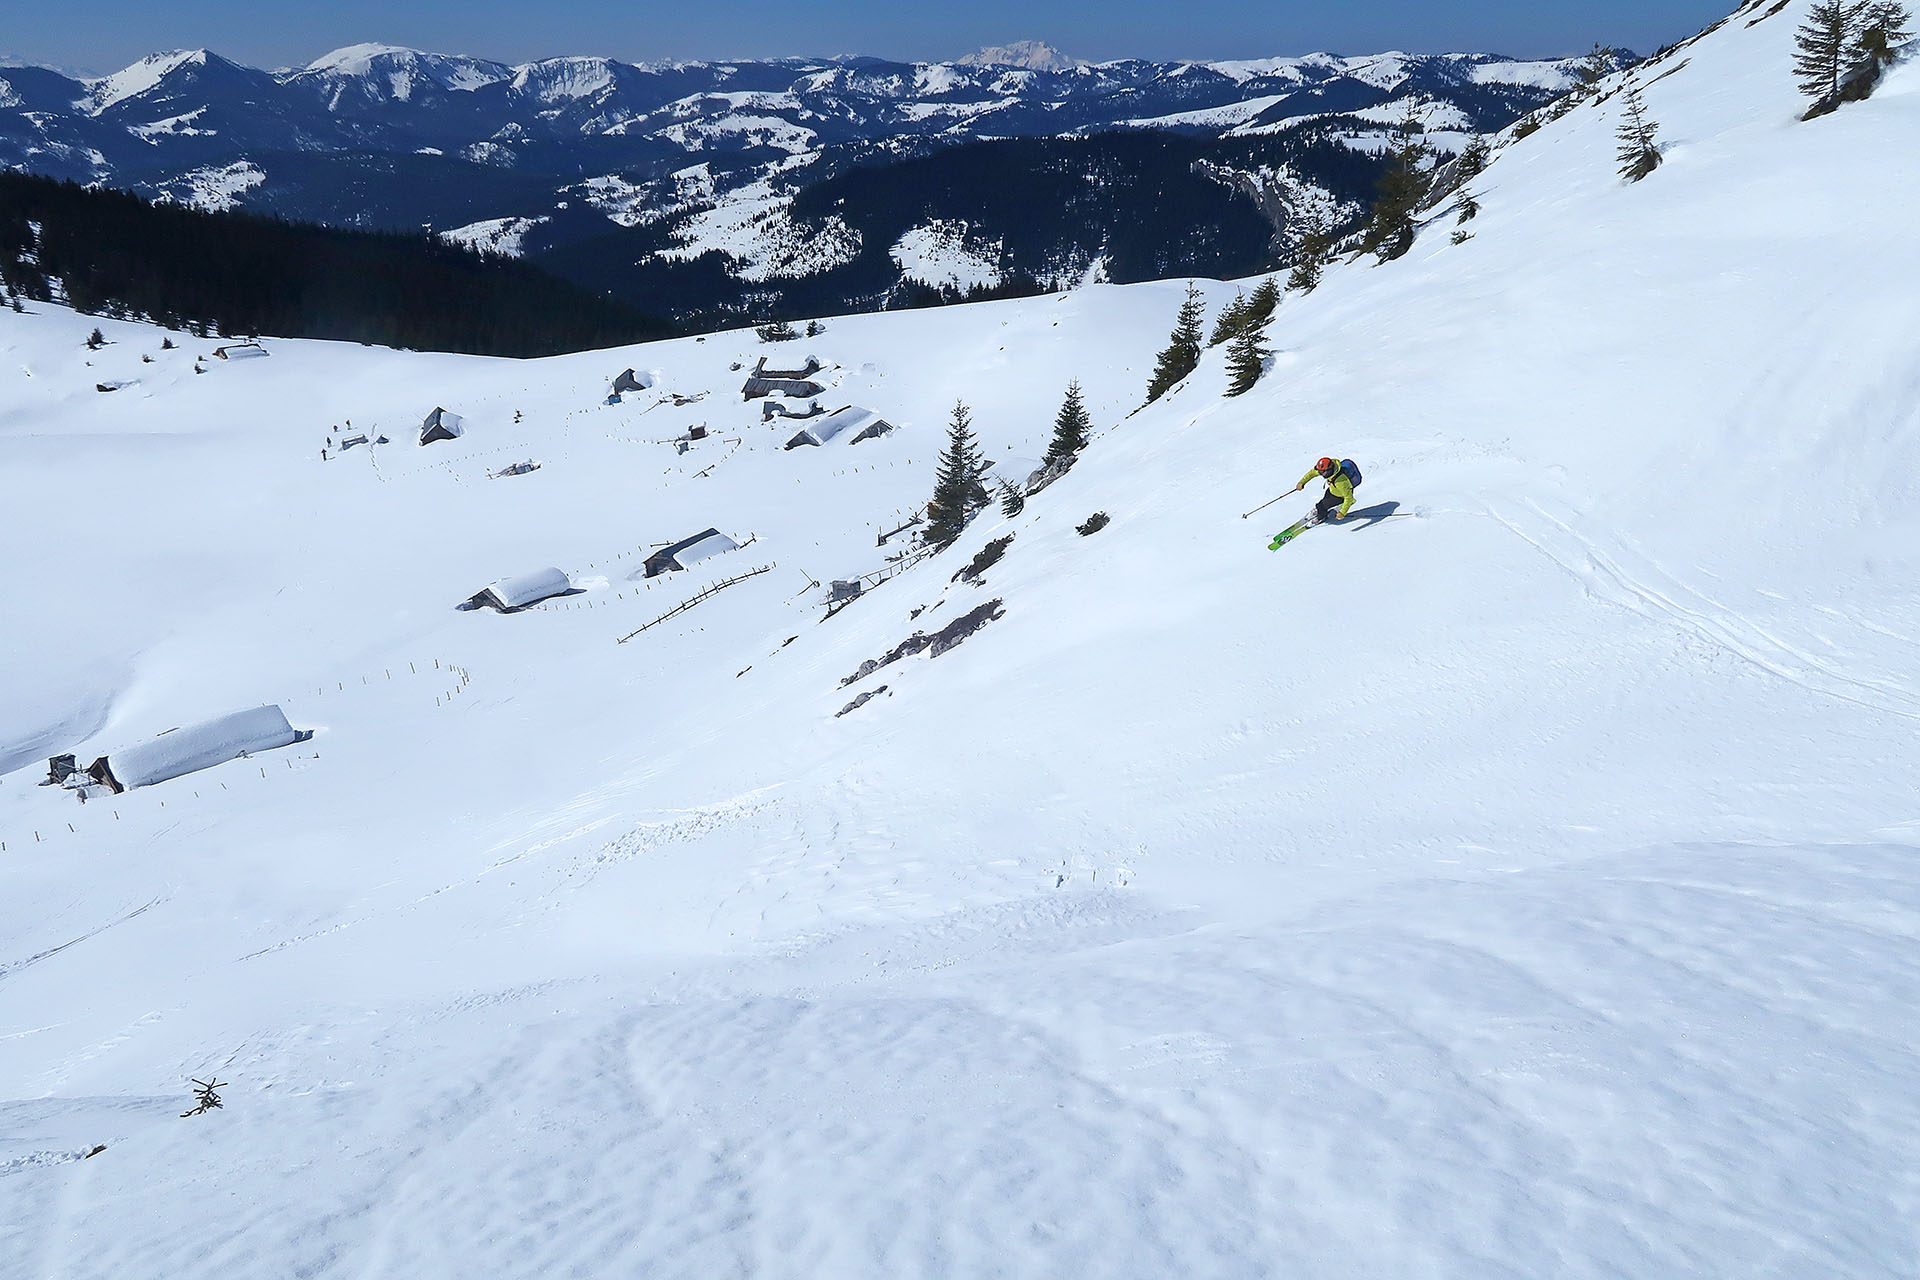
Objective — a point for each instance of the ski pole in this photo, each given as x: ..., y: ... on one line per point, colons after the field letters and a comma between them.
x: 1263, y: 506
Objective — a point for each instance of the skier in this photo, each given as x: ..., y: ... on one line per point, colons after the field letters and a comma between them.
x: 1339, y: 489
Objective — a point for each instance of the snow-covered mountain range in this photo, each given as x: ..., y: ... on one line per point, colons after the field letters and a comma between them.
x: 626, y: 175
x: 1521, y: 879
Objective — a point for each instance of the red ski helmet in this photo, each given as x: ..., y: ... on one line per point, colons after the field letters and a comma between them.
x: 1325, y: 466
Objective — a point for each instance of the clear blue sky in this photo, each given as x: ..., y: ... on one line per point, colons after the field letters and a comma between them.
x: 103, y: 35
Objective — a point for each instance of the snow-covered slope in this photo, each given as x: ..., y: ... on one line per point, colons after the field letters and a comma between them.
x: 1518, y: 880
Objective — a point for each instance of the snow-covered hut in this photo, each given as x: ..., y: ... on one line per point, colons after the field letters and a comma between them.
x: 196, y: 747
x: 812, y: 367
x: 688, y: 552
x: 510, y: 595
x: 759, y: 388
x: 778, y: 409
x: 1018, y: 472
x: 441, y: 425
x: 628, y: 381
x: 240, y: 351
x: 864, y: 423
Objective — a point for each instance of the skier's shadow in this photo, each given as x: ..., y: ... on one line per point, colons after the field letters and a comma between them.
x: 1372, y: 515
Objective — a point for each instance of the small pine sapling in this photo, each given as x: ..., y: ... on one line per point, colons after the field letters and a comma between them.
x: 166, y: 344
x: 1638, y: 155
x: 1469, y: 207
x: 1012, y: 501
x: 815, y: 328
x: 95, y: 340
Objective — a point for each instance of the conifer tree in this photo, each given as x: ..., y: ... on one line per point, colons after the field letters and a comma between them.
x: 95, y: 339
x: 1232, y: 316
x: 1594, y: 67
x: 1070, y: 427
x: 1012, y: 501
x: 956, y: 483
x: 1638, y: 154
x: 1824, y: 40
x: 1246, y: 359
x: 1881, y: 26
x: 1182, y: 354
x: 1472, y: 162
x: 1260, y: 305
x: 1310, y: 256
x: 1401, y: 191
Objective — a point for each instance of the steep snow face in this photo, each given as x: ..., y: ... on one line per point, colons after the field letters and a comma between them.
x: 1518, y: 879
x: 495, y: 235
x: 142, y: 77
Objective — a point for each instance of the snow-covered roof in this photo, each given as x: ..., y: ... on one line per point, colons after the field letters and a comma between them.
x: 1013, y: 470
x: 201, y: 746
x: 848, y: 418
x: 704, y: 547
x: 529, y: 588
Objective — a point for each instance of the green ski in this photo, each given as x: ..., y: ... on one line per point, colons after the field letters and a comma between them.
x: 1288, y: 534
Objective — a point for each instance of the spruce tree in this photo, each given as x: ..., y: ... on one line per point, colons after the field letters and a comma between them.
x: 1265, y: 297
x: 1402, y: 189
x: 1881, y: 26
x: 1594, y: 67
x: 956, y: 483
x: 1182, y: 354
x: 1012, y: 501
x: 1472, y: 162
x: 1246, y: 359
x: 1824, y: 40
x: 1232, y: 316
x: 95, y: 339
x: 1310, y: 256
x: 1638, y: 154
x: 1070, y: 427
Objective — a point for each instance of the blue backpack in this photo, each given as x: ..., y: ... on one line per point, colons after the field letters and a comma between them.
x: 1353, y: 472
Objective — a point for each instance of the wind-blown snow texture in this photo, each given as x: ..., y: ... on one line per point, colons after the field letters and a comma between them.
x: 1520, y: 882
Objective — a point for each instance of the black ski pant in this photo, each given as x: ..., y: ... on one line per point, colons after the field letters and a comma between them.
x: 1328, y: 504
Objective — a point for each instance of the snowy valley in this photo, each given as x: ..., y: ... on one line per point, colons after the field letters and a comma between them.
x: 1518, y: 878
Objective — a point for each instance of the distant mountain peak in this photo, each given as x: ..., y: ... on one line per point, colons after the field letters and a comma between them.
x: 1025, y: 55
x: 356, y: 57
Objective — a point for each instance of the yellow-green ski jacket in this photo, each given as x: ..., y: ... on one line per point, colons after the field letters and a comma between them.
x: 1340, y: 484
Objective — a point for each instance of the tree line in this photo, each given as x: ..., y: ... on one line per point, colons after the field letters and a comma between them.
x: 234, y: 274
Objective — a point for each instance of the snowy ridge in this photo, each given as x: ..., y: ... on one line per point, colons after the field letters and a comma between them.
x: 1517, y: 879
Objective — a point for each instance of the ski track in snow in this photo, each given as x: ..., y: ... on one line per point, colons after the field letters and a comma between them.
x: 1653, y: 594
